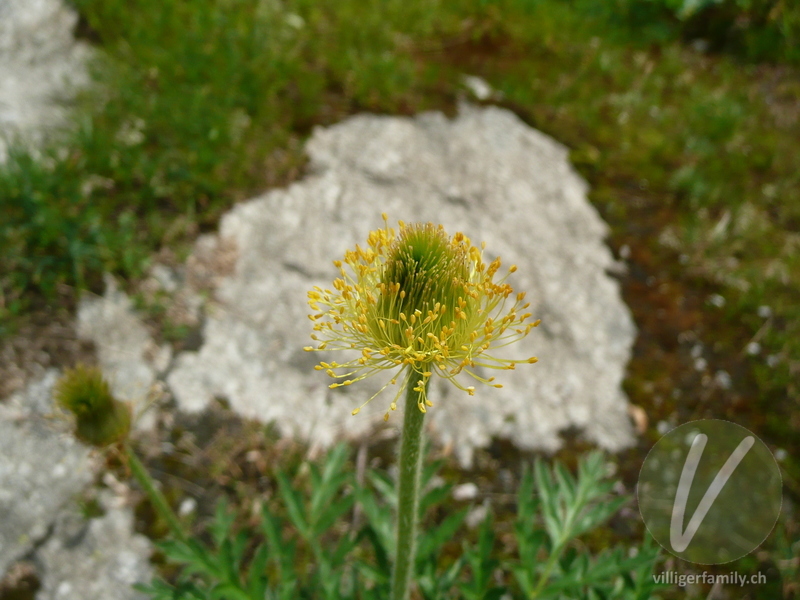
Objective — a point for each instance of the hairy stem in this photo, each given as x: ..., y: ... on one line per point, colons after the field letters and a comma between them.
x: 408, y: 492
x: 154, y: 494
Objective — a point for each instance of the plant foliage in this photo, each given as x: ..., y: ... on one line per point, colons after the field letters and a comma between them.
x: 331, y: 538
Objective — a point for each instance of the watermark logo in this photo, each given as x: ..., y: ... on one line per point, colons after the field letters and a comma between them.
x: 732, y: 578
x: 710, y: 491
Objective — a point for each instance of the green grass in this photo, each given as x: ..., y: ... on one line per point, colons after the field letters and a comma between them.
x: 692, y: 160
x: 196, y: 106
x: 710, y: 144
x: 754, y: 30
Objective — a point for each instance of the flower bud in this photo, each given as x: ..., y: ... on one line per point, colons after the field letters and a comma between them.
x: 100, y: 419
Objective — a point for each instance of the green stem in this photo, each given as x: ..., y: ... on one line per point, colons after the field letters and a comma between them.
x: 545, y: 576
x: 156, y: 497
x: 558, y: 547
x: 408, y: 491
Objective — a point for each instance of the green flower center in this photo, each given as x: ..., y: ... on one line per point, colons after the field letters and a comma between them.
x: 425, y: 273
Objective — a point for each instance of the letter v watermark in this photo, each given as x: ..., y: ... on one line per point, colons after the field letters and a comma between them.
x: 681, y: 540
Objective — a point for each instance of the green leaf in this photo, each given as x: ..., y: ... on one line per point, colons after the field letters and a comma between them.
x: 549, y: 503
x: 598, y: 515
x: 380, y: 520
x: 530, y: 542
x: 567, y: 486
x: 429, y: 469
x: 161, y: 590
x: 526, y: 501
x: 372, y: 572
x: 385, y: 486
x: 293, y: 505
x: 222, y: 523
x: 343, y: 548
x: 524, y: 575
x: 335, y: 462
x: 228, y: 591
x: 430, y: 541
x: 230, y: 556
x: 333, y: 512
x: 196, y: 557
x: 256, y: 574
x: 486, y: 536
x: 380, y: 549
x: 433, y: 497
x: 282, y: 552
x: 494, y: 593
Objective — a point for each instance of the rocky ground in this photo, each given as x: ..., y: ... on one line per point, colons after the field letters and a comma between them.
x: 239, y: 300
x: 243, y: 292
x: 41, y: 64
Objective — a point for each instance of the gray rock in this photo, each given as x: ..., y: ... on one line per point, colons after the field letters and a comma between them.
x: 40, y: 65
x: 127, y: 354
x: 96, y: 560
x: 479, y: 88
x: 485, y: 173
x: 41, y: 470
x: 35, y: 400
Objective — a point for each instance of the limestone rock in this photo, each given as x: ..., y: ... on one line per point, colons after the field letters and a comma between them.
x: 129, y: 357
x: 40, y: 64
x: 96, y: 560
x: 485, y: 173
x: 41, y: 470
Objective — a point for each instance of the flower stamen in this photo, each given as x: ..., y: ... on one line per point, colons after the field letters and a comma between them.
x: 419, y: 302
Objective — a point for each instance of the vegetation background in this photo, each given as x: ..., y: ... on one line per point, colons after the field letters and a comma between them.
x: 684, y: 116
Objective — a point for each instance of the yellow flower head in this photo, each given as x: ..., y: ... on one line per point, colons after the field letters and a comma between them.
x: 417, y: 301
